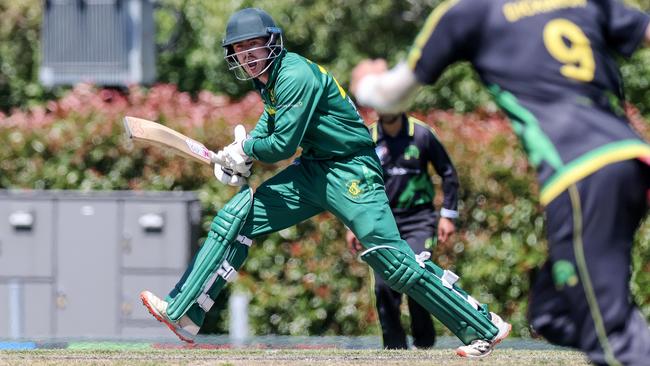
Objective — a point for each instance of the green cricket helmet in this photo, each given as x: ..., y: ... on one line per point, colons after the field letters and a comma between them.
x: 251, y: 23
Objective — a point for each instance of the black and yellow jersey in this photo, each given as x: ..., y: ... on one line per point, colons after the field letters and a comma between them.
x: 550, y: 66
x: 405, y: 159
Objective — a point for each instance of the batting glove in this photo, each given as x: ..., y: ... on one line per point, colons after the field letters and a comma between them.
x: 234, y: 154
x: 227, y: 176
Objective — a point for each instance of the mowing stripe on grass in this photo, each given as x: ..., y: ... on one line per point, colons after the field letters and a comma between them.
x: 108, y: 346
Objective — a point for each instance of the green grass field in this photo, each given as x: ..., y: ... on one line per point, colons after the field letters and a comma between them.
x: 281, y: 357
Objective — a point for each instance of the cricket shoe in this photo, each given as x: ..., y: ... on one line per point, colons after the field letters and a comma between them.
x: 184, y: 328
x: 480, y: 348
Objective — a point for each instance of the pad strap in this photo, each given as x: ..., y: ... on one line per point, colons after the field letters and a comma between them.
x: 244, y: 240
x: 227, y: 272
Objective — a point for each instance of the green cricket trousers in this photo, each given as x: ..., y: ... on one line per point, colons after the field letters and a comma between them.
x: 352, y: 189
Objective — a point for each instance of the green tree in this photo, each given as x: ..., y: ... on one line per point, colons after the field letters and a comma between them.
x: 336, y: 34
x: 19, y: 43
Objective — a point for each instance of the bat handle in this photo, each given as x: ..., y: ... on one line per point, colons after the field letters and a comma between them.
x: 217, y: 158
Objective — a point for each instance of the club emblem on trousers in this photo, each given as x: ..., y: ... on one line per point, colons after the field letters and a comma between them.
x: 353, y: 188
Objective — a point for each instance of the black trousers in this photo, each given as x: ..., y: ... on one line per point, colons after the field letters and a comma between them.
x: 416, y: 228
x: 581, y: 297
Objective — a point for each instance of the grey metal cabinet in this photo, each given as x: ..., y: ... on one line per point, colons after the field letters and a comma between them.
x: 72, y: 263
x: 86, y: 267
x: 26, y: 229
x: 152, y: 232
x: 135, y: 319
x: 28, y: 309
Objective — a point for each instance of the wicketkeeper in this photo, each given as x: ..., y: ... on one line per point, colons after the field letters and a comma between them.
x: 338, y: 171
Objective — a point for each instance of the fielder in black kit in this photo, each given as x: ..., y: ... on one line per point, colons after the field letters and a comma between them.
x: 407, y: 148
x: 550, y: 65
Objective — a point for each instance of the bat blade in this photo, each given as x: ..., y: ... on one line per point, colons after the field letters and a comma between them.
x: 142, y: 130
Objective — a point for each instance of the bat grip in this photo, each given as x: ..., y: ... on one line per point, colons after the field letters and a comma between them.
x: 217, y: 158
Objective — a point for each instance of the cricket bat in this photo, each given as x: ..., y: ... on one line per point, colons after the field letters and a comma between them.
x: 138, y: 129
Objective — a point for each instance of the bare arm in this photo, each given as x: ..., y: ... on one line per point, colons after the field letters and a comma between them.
x: 647, y: 36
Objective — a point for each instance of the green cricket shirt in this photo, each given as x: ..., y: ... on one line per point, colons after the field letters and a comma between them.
x: 305, y: 106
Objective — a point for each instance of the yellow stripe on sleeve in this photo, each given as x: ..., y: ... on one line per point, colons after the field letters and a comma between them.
x: 427, y: 30
x: 373, y: 130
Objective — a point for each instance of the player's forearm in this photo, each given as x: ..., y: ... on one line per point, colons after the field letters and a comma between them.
x: 283, y: 141
x: 647, y: 36
x: 388, y: 92
x: 447, y: 171
x: 270, y: 149
x: 450, y: 201
x: 262, y: 127
x: 450, y: 187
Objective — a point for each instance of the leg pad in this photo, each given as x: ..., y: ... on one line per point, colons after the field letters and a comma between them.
x: 434, y: 289
x: 218, y: 260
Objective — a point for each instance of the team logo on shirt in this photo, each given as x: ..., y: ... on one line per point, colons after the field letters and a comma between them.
x: 564, y: 273
x: 430, y: 243
x: 354, y: 190
x: 411, y: 152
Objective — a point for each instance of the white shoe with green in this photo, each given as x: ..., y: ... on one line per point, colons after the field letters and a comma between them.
x: 480, y: 348
x: 184, y: 328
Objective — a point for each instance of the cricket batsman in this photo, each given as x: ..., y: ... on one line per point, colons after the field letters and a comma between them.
x: 338, y: 171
